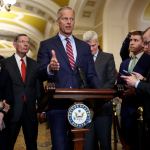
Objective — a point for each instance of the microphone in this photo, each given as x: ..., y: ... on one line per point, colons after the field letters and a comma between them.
x: 82, y: 77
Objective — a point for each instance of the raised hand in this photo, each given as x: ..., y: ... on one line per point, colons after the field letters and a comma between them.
x: 130, y: 80
x: 54, y: 64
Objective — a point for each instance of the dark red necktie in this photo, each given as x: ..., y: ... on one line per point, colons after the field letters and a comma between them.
x: 23, y: 70
x: 69, y: 52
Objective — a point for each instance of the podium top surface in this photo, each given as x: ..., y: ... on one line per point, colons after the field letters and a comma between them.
x: 83, y: 94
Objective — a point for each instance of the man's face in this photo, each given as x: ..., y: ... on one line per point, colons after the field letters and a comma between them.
x: 136, y: 44
x: 146, y: 38
x: 22, y: 45
x: 66, y: 22
x: 94, y: 46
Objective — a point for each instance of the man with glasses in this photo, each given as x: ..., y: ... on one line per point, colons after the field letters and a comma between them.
x: 26, y: 90
x: 142, y: 85
x: 139, y: 62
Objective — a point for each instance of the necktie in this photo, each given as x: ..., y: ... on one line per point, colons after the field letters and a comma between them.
x: 69, y: 52
x: 94, y: 58
x: 23, y: 70
x: 132, y: 64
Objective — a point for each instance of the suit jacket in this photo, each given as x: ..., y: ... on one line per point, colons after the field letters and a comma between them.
x: 144, y: 86
x: 6, y: 92
x: 5, y: 86
x: 106, y: 71
x: 66, y: 77
x: 144, y: 89
x: 141, y: 67
x: 30, y: 88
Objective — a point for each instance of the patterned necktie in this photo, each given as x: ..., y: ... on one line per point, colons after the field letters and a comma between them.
x: 132, y: 64
x: 69, y: 52
x: 23, y: 70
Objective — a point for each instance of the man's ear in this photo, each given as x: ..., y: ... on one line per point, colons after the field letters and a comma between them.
x: 14, y: 44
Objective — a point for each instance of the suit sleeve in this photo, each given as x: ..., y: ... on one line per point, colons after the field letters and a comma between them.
x: 7, y: 91
x: 43, y: 59
x: 144, y: 87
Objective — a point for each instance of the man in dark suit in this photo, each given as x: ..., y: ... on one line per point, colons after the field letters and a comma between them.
x: 6, y: 97
x: 142, y: 85
x: 23, y: 74
x: 102, y: 120
x: 60, y: 65
x: 131, y: 99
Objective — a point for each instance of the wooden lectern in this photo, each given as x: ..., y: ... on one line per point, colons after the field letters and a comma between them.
x: 79, y: 96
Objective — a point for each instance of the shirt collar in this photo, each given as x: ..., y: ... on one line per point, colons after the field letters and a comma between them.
x: 62, y: 37
x: 18, y: 58
x: 138, y: 55
x: 95, y: 55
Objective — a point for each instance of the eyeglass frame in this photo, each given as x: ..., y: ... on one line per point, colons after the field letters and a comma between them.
x: 23, y: 42
x: 146, y: 43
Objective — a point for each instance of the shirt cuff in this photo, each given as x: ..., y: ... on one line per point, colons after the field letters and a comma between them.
x: 137, y: 83
x: 48, y: 71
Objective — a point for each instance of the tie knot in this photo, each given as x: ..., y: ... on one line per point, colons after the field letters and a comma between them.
x: 22, y: 60
x: 133, y: 57
x: 67, y: 39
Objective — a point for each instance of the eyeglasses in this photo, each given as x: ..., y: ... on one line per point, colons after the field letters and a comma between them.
x: 146, y: 43
x: 24, y: 42
x: 65, y: 19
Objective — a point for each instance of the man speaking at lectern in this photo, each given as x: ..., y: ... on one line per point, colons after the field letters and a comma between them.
x: 61, y: 58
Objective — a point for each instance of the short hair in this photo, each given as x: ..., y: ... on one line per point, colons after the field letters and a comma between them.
x: 137, y: 33
x: 17, y: 37
x: 90, y: 35
x: 63, y: 8
x: 140, y: 33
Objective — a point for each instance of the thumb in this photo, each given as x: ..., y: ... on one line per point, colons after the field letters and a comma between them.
x: 53, y: 54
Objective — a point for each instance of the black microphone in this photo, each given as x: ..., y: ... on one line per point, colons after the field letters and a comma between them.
x: 82, y: 77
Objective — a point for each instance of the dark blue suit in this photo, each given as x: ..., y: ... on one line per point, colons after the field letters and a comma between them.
x: 131, y: 103
x: 7, y: 94
x: 64, y: 78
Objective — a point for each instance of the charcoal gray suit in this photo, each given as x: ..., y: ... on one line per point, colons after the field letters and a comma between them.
x: 102, y: 121
x: 23, y: 108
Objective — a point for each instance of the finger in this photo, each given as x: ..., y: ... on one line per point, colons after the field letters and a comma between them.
x: 53, y: 54
x: 122, y: 76
x: 135, y: 73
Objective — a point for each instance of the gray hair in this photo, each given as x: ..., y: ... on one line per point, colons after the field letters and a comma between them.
x: 90, y: 35
x: 63, y: 8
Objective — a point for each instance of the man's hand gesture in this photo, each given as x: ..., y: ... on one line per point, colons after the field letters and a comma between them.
x: 54, y: 64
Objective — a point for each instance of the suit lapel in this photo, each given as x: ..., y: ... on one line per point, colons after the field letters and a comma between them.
x: 28, y: 69
x: 99, y: 58
x: 16, y: 68
x: 78, y: 48
x: 61, y: 50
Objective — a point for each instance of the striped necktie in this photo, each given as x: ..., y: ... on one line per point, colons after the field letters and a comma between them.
x: 69, y: 52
